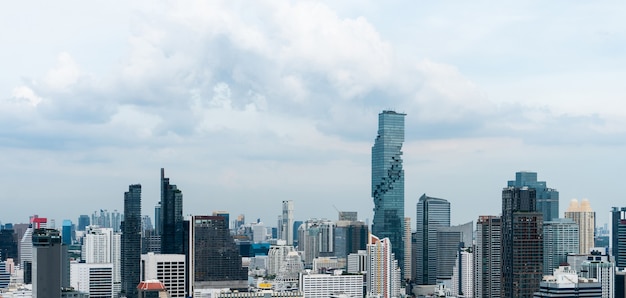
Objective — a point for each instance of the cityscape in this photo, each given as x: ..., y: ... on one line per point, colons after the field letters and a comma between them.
x: 527, y: 250
x: 279, y: 148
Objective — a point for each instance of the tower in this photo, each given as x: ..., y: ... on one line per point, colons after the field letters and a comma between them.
x: 560, y: 237
x: 547, y: 201
x: 522, y: 243
x: 618, y: 237
x: 131, y: 241
x: 171, y: 217
x: 488, y: 257
x: 50, y: 264
x: 383, y: 273
x: 388, y: 181
x: 584, y: 216
x: 286, y: 222
x: 432, y: 214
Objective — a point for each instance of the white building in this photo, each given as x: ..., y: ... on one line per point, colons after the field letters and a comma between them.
x: 95, y: 278
x: 463, y: 283
x: 603, y: 271
x: 285, y: 230
x: 277, y: 256
x: 103, y: 246
x: 383, y: 274
x: 166, y: 268
x: 315, y: 237
x: 259, y: 232
x: 357, y: 262
x: 331, y: 285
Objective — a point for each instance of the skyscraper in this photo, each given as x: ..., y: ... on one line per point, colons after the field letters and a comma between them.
x: 432, y: 213
x: 449, y: 240
x: 383, y: 273
x: 50, y: 264
x: 488, y: 257
x: 171, y: 217
x: 522, y: 243
x: 547, y: 198
x: 131, y: 241
x: 584, y: 216
x: 560, y: 238
x: 83, y: 222
x: 618, y: 237
x: 388, y: 181
x: 286, y: 222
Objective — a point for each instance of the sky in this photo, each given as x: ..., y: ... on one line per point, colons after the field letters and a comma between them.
x: 249, y: 103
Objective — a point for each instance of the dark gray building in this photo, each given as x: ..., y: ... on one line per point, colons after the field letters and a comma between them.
x: 547, y: 201
x: 131, y: 241
x: 618, y: 236
x: 488, y: 257
x: 350, y: 237
x: 522, y: 242
x: 449, y: 241
x: 50, y: 267
x: 171, y: 217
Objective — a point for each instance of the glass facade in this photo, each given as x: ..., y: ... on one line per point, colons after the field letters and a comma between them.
x: 388, y: 181
x: 131, y: 241
x: 560, y: 237
x: 171, y: 217
x: 432, y: 214
x: 547, y: 198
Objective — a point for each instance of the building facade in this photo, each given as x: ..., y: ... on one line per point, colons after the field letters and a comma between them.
x: 449, y: 242
x: 547, y: 201
x: 95, y: 279
x: 522, y: 242
x: 172, y: 234
x: 584, y: 216
x: 488, y: 257
x: 560, y: 238
x: 131, y: 241
x: 388, y: 181
x: 50, y: 264
x: 331, y: 285
x: 168, y: 269
x: 286, y: 222
x: 432, y: 214
x: 383, y: 274
x: 618, y: 236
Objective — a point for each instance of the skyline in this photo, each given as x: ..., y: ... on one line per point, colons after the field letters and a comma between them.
x: 249, y: 104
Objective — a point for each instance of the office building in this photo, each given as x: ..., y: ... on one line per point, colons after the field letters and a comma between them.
x: 620, y: 283
x: 50, y: 268
x: 383, y: 274
x: 348, y: 216
x: 67, y: 232
x: 95, y: 279
x: 357, y: 262
x: 171, y: 217
x: 432, y: 214
x: 103, y: 246
x: 600, y: 268
x: 131, y: 241
x: 8, y: 244
x: 407, y: 269
x: 522, y: 242
x: 560, y: 238
x: 83, y: 222
x: 214, y: 260
x: 463, y: 273
x: 388, y: 181
x: 547, y: 201
x: 565, y: 283
x: 168, y: 269
x: 350, y: 237
x: 584, y: 216
x: 316, y: 237
x: 449, y: 242
x: 285, y: 229
x: 488, y: 257
x: 618, y: 236
x: 277, y: 257
x: 331, y: 285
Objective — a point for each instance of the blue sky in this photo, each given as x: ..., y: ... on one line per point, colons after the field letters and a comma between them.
x: 247, y: 104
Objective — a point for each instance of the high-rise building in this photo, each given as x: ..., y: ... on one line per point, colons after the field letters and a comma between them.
x: 131, y: 241
x: 522, y: 242
x: 584, y: 216
x: 618, y: 236
x: 50, y: 264
x: 286, y: 222
x: 463, y: 273
x: 560, y: 238
x: 383, y: 273
x: 83, y: 222
x: 157, y: 219
x: 103, y: 246
x: 601, y: 269
x: 547, y: 201
x: 168, y: 269
x: 432, y: 214
x: 316, y: 238
x: 350, y: 237
x: 67, y: 232
x: 388, y: 181
x: 408, y: 260
x: 214, y: 259
x: 488, y: 257
x: 8, y: 244
x: 449, y: 241
x: 171, y: 217
x: 277, y: 257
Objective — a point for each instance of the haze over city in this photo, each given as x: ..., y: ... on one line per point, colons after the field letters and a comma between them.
x: 247, y: 104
